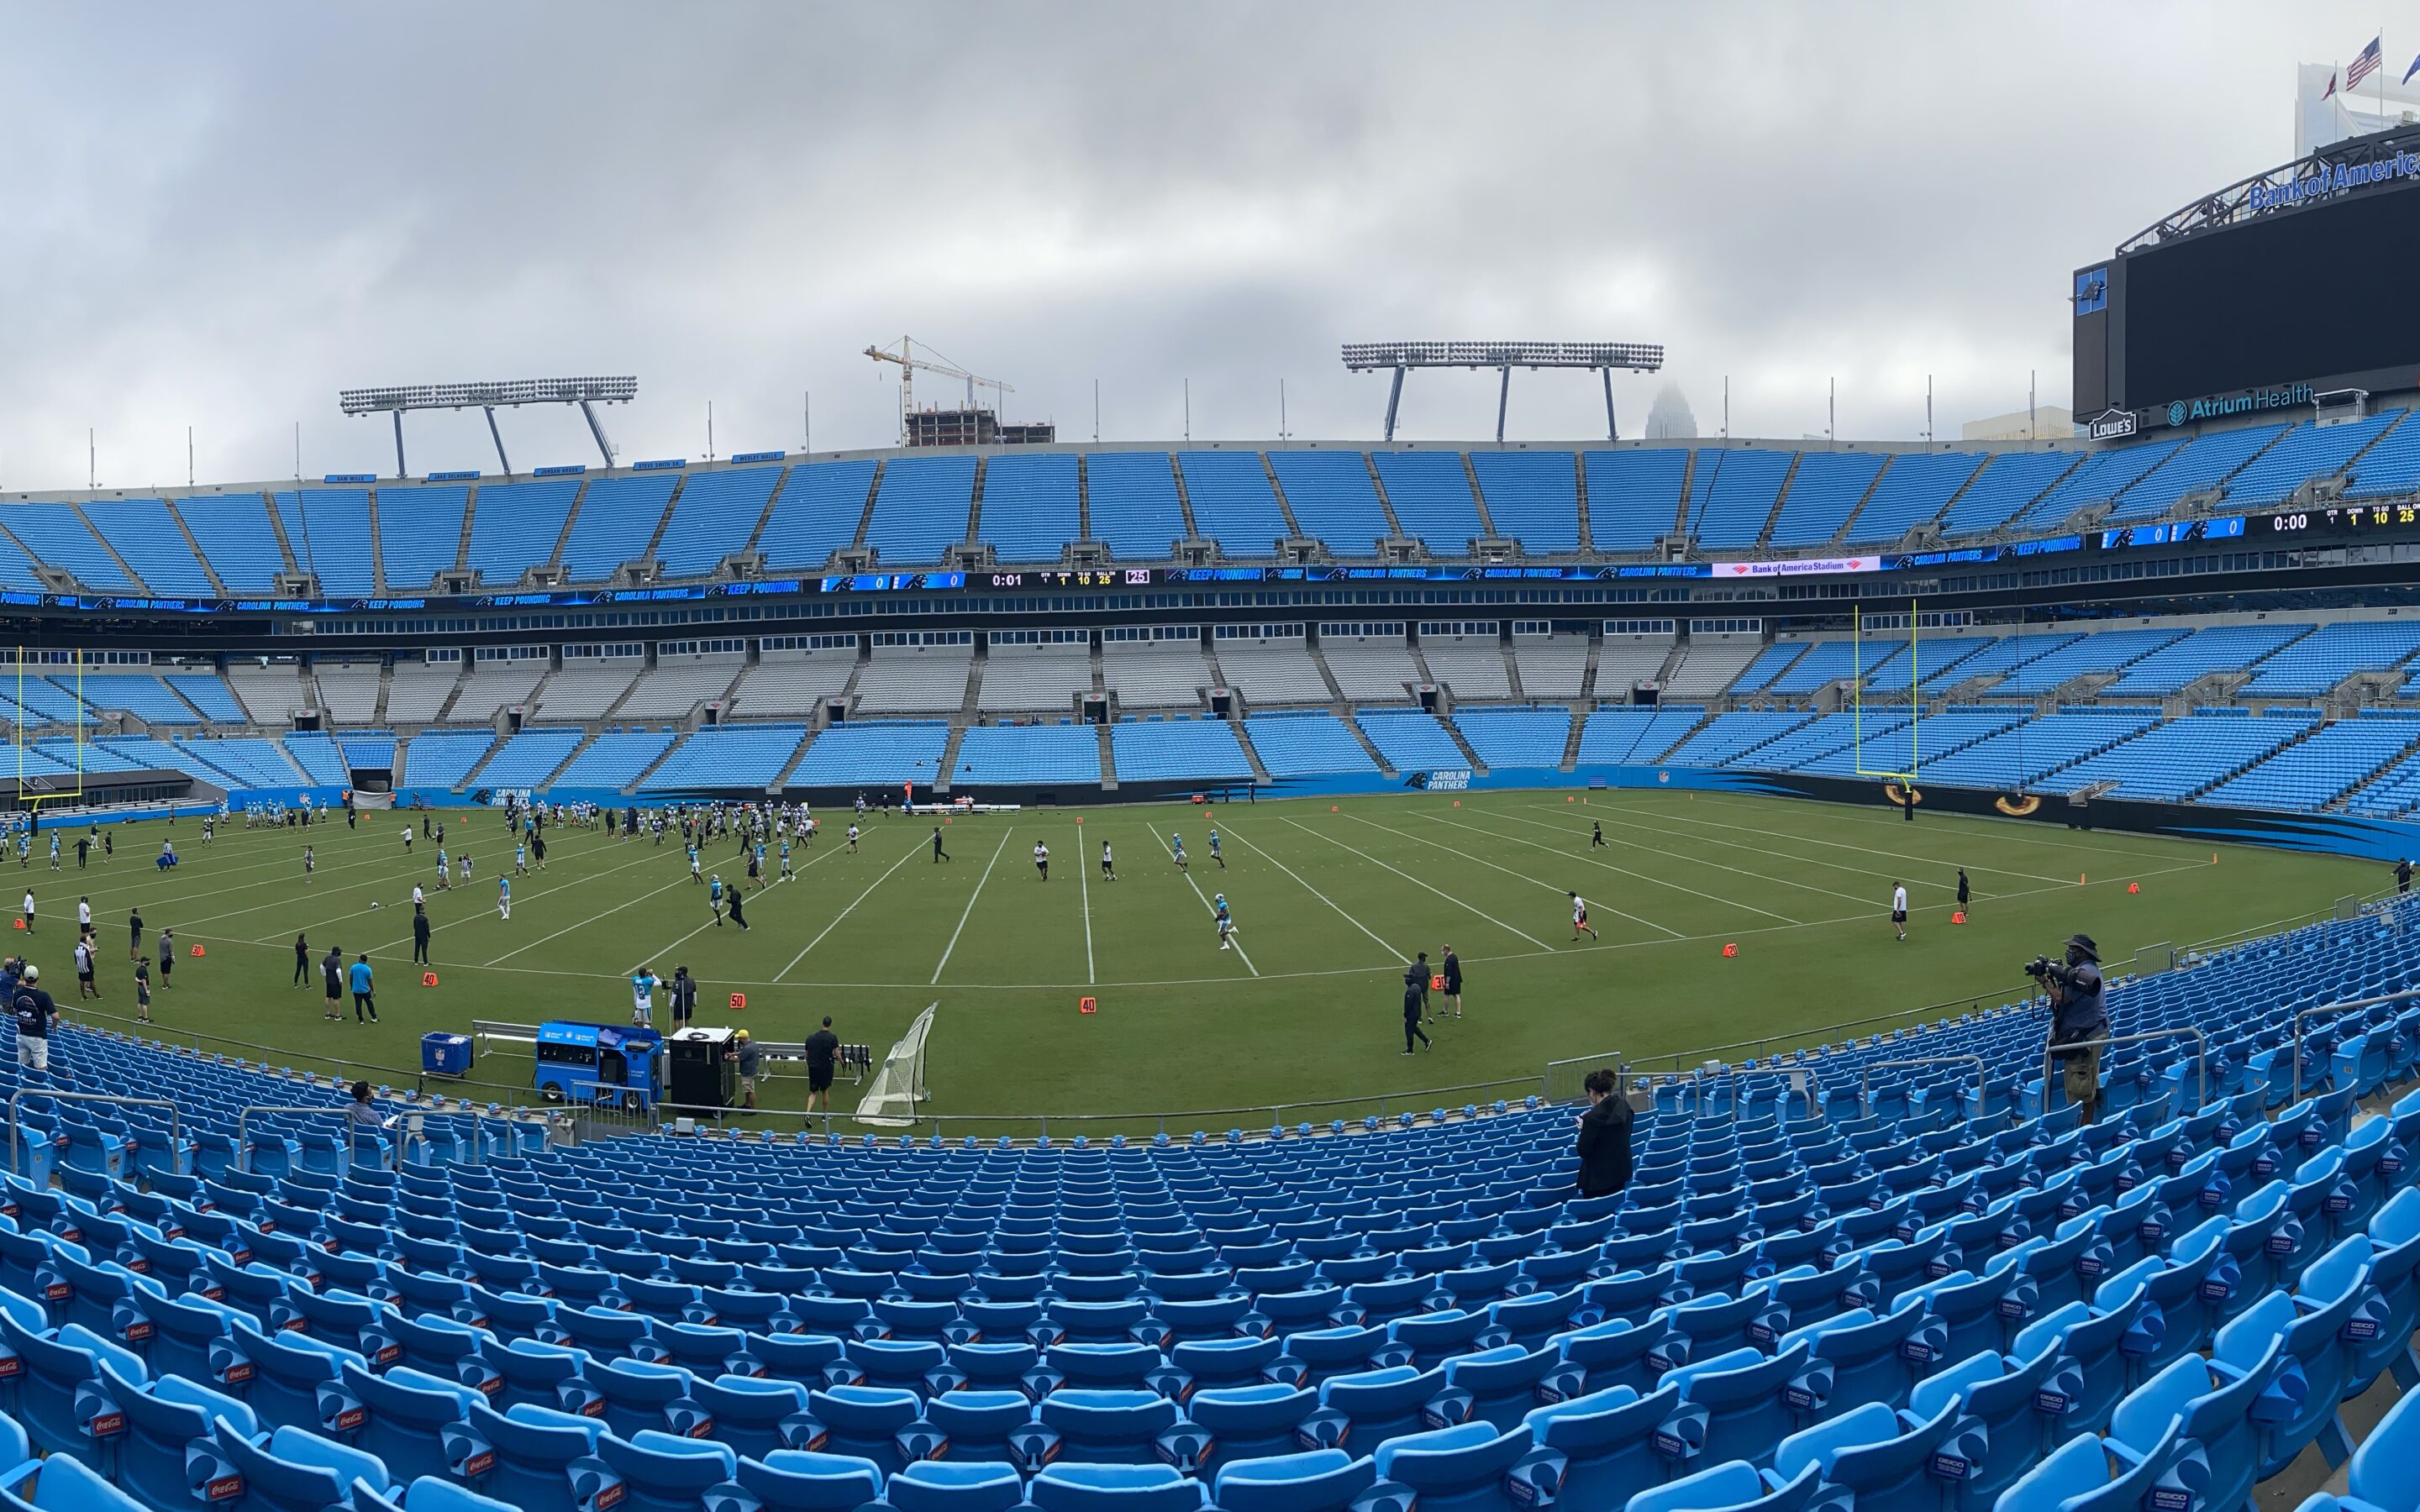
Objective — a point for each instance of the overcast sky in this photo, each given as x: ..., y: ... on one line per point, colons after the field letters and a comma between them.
x: 219, y: 215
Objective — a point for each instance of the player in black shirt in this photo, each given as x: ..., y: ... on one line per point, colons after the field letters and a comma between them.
x: 823, y: 1048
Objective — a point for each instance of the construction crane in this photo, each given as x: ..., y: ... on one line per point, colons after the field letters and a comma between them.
x: 909, y: 362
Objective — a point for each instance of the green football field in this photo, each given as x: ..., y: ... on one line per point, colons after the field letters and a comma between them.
x: 1330, y: 899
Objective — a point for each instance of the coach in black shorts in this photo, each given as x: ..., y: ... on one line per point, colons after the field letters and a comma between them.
x: 823, y: 1048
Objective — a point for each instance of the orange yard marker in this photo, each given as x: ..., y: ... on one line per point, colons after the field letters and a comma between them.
x: 428, y: 979
x: 1958, y: 917
x: 739, y: 1001
x: 197, y: 950
x: 2134, y: 887
x: 1731, y: 949
x: 1088, y: 1005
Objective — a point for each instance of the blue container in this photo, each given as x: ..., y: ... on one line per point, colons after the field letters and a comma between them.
x: 445, y: 1055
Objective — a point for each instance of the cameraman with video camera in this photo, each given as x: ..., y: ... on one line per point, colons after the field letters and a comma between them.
x: 2078, y: 1013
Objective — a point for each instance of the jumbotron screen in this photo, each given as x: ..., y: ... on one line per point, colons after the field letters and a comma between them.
x: 2300, y: 297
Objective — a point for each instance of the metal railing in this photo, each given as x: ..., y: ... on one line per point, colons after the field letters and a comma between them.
x: 2410, y: 995
x: 405, y: 1127
x: 1865, y: 1077
x: 16, y: 1143
x: 2201, y: 1056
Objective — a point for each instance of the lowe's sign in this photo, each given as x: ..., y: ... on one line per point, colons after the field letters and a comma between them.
x: 2331, y: 178
x: 2249, y: 401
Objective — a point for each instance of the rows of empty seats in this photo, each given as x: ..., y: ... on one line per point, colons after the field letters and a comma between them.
x: 1180, y: 750
x: 748, y: 757
x: 399, y: 537
x: 881, y: 755
x: 914, y: 679
x: 1020, y: 754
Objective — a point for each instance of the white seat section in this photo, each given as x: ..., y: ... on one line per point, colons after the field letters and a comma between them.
x: 1161, y: 667
x: 1024, y: 675
x: 1628, y: 658
x: 1552, y: 666
x: 1467, y: 657
x: 794, y: 679
x: 588, y: 686
x: 682, y: 681
x: 494, y: 683
x: 271, y: 694
x: 348, y: 690
x: 417, y: 690
x: 1270, y: 666
x: 916, y: 671
x: 1371, y: 660
x: 1709, y: 667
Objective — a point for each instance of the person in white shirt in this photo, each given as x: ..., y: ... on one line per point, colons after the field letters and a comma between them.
x: 1041, y: 860
x: 1899, y: 910
x: 1580, y: 918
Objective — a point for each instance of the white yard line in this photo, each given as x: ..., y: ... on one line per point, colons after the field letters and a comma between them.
x: 1651, y: 881
x: 1332, y: 903
x: 1757, y: 931
x: 845, y: 912
x: 1769, y: 836
x: 1687, y: 856
x: 686, y: 938
x: 1212, y: 908
x: 526, y: 897
x: 1084, y: 889
x: 969, y: 913
x: 1447, y: 896
x: 679, y: 881
x: 1549, y: 887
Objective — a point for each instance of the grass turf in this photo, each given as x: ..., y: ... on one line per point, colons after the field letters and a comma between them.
x: 1329, y: 901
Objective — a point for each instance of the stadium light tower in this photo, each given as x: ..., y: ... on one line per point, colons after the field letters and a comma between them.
x: 582, y: 392
x: 1504, y: 356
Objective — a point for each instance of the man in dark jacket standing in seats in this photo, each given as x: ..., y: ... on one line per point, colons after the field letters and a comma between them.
x: 1604, y: 1136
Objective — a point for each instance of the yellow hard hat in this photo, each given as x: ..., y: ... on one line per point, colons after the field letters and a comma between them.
x: 743, y: 1034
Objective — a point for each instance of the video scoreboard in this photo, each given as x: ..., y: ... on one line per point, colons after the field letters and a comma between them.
x: 2341, y: 520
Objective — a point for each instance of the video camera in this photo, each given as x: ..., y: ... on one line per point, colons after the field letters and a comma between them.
x: 2046, y: 971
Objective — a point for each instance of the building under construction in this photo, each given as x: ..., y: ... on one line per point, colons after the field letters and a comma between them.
x: 972, y: 427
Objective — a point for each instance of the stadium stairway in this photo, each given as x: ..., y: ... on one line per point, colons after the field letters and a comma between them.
x: 277, y: 529
x: 1513, y: 673
x: 949, y: 761
x: 470, y: 511
x: 377, y: 549
x: 2343, y: 801
x: 1462, y: 743
x: 1109, y: 756
x: 1243, y: 739
x: 1764, y: 532
x: 194, y: 545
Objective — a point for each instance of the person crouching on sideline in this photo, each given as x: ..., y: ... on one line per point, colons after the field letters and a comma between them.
x: 1604, y: 1136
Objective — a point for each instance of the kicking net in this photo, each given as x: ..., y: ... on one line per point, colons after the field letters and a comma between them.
x: 890, y: 1100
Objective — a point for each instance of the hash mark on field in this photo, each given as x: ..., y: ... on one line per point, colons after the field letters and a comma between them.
x: 977, y: 893
x: 1447, y: 896
x: 1332, y: 903
x: 845, y: 912
x: 1608, y: 866
x: 1206, y: 901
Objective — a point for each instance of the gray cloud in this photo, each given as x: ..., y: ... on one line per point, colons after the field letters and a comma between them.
x: 219, y: 217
